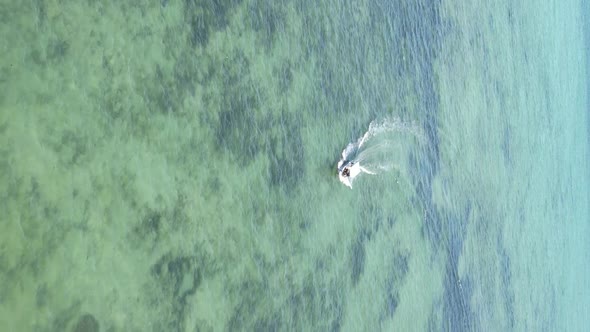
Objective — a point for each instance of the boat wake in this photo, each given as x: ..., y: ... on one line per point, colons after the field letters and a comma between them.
x: 383, y: 147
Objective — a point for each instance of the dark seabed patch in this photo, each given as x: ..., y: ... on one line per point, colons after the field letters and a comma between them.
x: 318, y: 304
x: 147, y: 231
x: 162, y: 94
x: 42, y: 295
x: 57, y: 50
x: 506, y: 146
x: 240, y: 125
x: 422, y: 175
x: 285, y: 76
x: 357, y: 258
x: 266, y: 17
x: 250, y: 293
x: 286, y: 152
x: 40, y: 10
x: 271, y: 323
x: 456, y: 309
x: 372, y: 217
x: 421, y: 28
x: 181, y: 275
x: 205, y: 17
x: 458, y: 291
x: 506, y: 277
x: 394, y: 280
x: 178, y: 277
x: 87, y: 323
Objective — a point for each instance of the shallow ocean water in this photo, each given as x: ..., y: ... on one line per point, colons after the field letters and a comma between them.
x: 171, y: 166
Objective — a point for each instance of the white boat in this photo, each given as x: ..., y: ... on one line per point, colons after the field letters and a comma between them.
x: 348, y: 170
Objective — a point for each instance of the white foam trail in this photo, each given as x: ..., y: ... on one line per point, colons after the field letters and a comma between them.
x: 382, y: 148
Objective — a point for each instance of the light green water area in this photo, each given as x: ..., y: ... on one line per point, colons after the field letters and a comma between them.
x: 171, y: 165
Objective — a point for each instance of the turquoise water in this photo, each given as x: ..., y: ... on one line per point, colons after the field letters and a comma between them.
x: 171, y: 166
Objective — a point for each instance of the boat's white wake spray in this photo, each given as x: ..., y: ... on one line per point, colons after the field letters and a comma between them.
x: 383, y: 147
